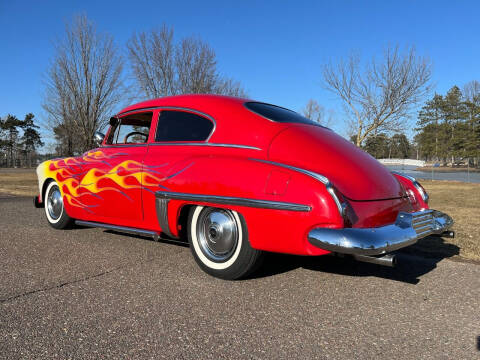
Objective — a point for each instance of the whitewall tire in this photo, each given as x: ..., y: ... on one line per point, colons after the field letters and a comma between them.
x: 219, y: 243
x: 54, y: 209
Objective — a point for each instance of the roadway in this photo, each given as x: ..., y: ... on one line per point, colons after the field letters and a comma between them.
x: 88, y: 294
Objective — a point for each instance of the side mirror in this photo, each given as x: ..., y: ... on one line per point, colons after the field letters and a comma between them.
x: 98, y: 138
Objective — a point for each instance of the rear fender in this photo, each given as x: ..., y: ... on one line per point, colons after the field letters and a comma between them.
x: 240, y: 178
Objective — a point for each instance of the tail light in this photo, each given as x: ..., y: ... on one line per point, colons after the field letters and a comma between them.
x: 411, y: 196
x: 341, y: 202
x: 419, y: 188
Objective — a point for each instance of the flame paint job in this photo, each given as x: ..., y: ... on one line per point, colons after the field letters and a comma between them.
x: 117, y: 184
x: 80, y: 177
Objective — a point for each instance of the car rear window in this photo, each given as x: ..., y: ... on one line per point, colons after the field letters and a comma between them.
x: 278, y: 114
x: 176, y: 125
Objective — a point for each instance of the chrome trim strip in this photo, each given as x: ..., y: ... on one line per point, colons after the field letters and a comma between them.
x: 123, y: 145
x: 204, y: 144
x: 228, y: 200
x: 118, y: 228
x: 411, y: 178
x: 162, y: 216
x: 380, y: 240
x: 136, y: 110
x: 424, y: 194
x: 323, y: 179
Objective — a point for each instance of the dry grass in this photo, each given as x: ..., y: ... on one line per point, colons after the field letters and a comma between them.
x: 460, y: 200
x: 18, y: 182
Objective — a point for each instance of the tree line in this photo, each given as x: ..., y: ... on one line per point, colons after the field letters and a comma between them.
x: 448, y: 126
x: 447, y: 131
x: 19, y: 141
x: 383, y: 146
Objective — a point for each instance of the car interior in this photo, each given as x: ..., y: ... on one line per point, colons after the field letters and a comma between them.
x: 130, y: 129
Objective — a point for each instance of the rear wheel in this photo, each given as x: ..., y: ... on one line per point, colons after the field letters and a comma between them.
x: 219, y: 243
x: 54, y: 209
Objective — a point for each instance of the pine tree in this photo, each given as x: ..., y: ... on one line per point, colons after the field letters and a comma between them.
x: 429, y: 124
x: 31, y: 137
x: 472, y: 104
x: 399, y: 146
x: 10, y: 142
x: 377, y: 146
x: 449, y: 126
x: 455, y: 112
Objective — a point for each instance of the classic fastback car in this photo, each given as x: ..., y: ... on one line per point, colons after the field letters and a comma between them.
x: 237, y: 178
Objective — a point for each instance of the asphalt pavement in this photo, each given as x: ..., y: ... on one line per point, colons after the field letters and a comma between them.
x: 94, y: 294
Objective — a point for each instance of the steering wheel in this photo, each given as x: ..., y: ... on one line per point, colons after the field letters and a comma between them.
x: 135, y: 133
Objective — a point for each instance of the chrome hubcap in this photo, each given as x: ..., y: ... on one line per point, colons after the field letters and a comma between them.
x: 54, y: 203
x: 217, y: 234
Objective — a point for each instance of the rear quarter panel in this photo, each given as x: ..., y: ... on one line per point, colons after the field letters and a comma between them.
x: 236, y: 173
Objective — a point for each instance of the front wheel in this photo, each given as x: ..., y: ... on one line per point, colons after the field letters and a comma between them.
x: 219, y: 243
x: 54, y: 209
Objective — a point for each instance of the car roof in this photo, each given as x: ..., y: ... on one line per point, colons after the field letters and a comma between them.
x: 200, y: 102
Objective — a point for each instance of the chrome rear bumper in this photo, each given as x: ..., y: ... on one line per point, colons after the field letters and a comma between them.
x: 407, y: 229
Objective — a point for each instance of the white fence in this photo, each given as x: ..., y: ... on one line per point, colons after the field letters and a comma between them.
x: 402, y: 162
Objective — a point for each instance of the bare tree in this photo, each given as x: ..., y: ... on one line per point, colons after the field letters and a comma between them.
x: 381, y: 95
x: 83, y: 84
x: 471, y: 91
x: 315, y: 112
x: 230, y: 87
x: 162, y: 67
x: 195, y: 67
x: 152, y: 58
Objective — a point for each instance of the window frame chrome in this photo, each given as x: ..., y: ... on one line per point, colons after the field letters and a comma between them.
x: 177, y: 108
x: 204, y: 144
x: 119, y: 118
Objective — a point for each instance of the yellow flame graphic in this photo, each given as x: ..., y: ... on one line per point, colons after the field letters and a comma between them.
x: 68, y: 173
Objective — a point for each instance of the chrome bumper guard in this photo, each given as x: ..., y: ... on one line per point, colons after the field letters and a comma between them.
x: 407, y: 229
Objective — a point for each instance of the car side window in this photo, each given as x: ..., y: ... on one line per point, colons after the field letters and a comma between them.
x: 175, y: 125
x: 131, y: 129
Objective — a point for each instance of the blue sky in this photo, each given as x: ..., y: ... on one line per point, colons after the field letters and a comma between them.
x: 275, y: 48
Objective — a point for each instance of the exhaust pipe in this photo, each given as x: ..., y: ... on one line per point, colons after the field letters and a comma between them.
x: 445, y: 234
x: 385, y: 260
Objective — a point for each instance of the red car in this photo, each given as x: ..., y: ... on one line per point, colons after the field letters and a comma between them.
x: 237, y: 178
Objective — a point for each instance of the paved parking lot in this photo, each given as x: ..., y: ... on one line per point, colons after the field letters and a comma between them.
x: 89, y: 293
